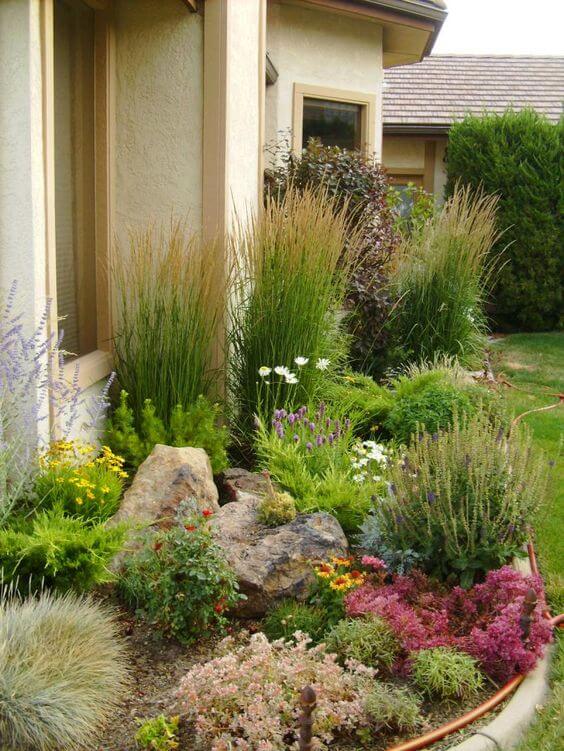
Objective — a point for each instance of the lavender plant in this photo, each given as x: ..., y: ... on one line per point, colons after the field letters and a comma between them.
x: 35, y: 396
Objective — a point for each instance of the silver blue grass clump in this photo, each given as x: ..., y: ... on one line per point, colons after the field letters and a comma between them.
x: 62, y: 672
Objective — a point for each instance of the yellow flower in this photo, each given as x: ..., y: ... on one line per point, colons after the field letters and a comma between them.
x: 90, y: 495
x: 105, y: 489
x: 78, y: 501
x: 341, y: 561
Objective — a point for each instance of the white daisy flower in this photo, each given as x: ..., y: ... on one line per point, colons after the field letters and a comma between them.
x: 264, y: 371
x: 322, y: 363
x: 281, y: 370
x: 291, y: 378
x: 301, y: 361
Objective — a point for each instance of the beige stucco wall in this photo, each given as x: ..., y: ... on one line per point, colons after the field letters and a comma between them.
x: 406, y: 154
x: 403, y: 153
x: 158, y: 113
x: 323, y: 49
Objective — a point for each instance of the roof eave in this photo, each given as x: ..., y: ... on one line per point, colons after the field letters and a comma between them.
x: 433, y: 129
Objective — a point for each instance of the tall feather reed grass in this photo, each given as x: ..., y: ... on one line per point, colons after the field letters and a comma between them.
x: 62, y: 672
x: 442, y: 278
x: 292, y: 263
x: 170, y: 292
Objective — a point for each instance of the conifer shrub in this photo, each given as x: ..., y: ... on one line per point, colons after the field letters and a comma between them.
x: 517, y: 156
x: 62, y: 672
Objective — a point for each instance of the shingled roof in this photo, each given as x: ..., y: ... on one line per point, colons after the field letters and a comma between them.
x: 432, y: 94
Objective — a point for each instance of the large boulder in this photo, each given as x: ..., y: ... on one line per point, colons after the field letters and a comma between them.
x: 235, y: 482
x: 272, y: 563
x: 168, y: 477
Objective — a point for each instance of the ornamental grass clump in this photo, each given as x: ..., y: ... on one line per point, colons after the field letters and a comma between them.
x: 292, y: 268
x: 248, y: 696
x: 463, y: 498
x: 442, y: 280
x: 446, y: 673
x: 170, y: 291
x: 62, y: 672
x: 393, y: 708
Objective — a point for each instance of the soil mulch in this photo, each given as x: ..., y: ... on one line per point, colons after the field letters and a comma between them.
x: 158, y: 664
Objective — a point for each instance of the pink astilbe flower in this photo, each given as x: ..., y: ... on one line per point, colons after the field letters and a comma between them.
x: 482, y: 621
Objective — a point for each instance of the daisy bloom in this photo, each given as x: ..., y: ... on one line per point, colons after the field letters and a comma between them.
x: 291, y: 378
x: 301, y: 361
x: 281, y: 370
x: 264, y: 371
x: 322, y: 363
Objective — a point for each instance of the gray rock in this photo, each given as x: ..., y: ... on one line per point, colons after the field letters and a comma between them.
x: 167, y: 477
x: 272, y: 563
x: 236, y: 480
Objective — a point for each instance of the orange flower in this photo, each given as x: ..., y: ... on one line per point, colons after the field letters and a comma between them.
x: 207, y: 512
x: 189, y: 527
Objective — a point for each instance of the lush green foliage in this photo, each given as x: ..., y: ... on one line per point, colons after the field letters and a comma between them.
x: 393, y: 708
x: 317, y: 460
x: 291, y: 616
x: 158, y: 733
x: 62, y: 668
x: 366, y: 402
x: 442, y: 278
x: 446, y: 673
x: 170, y: 298
x: 291, y: 280
x: 463, y: 499
x: 75, y: 479
x: 412, y: 207
x: 197, y: 426
x: 180, y: 581
x: 517, y: 155
x: 62, y: 551
x: 369, y: 640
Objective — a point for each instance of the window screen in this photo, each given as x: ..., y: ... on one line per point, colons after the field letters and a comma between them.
x: 333, y: 123
x: 74, y: 113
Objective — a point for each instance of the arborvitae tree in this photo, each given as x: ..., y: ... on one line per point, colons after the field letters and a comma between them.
x: 518, y: 155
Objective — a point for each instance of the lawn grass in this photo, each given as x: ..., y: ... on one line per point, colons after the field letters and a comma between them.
x: 535, y: 363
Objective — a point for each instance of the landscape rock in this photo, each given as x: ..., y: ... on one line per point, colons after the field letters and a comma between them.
x: 167, y: 477
x: 233, y: 481
x: 272, y: 563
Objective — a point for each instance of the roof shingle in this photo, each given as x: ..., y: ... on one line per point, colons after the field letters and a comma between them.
x: 444, y: 88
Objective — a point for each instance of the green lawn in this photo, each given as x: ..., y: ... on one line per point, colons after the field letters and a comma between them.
x: 535, y: 363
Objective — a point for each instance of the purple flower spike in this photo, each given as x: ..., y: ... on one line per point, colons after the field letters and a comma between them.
x: 292, y: 418
x: 322, y: 408
x: 328, y: 423
x: 319, y: 440
x: 277, y: 414
x: 435, y: 437
x: 309, y: 446
x: 312, y: 426
x: 296, y: 438
x: 431, y: 497
x: 330, y: 438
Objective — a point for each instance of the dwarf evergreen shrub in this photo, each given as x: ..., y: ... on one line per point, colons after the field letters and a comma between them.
x: 516, y: 155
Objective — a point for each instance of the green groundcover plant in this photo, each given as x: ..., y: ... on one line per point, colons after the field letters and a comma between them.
x: 63, y: 552
x: 369, y: 640
x: 446, y: 673
x: 62, y: 672
x: 180, y: 581
x: 442, y: 279
x: 158, y: 734
x: 290, y: 616
x: 463, y: 499
x: 197, y: 426
x: 393, y: 708
x: 518, y: 156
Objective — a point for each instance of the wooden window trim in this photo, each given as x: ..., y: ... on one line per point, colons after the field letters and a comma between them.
x: 368, y: 112
x: 401, y: 177
x: 95, y: 365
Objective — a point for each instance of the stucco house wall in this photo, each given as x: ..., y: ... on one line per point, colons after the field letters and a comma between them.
x: 404, y: 155
x: 310, y: 46
x: 158, y: 113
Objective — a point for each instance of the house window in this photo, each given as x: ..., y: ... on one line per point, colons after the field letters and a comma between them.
x: 336, y: 117
x: 75, y: 198
x: 333, y: 123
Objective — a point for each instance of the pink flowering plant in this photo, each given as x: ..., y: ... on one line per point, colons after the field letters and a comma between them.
x: 248, y: 696
x: 483, y: 621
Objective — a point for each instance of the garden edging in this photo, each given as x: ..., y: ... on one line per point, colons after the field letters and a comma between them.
x: 506, y: 730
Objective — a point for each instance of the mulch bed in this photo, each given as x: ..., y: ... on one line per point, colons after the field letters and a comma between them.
x: 158, y: 664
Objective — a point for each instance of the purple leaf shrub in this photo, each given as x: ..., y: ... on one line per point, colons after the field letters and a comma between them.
x: 483, y: 621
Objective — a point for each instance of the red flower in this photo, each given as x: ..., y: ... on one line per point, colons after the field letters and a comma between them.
x: 189, y: 527
x: 218, y: 608
x: 207, y: 512
x: 157, y: 546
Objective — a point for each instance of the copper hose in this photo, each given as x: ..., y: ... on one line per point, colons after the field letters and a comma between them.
x: 460, y: 722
